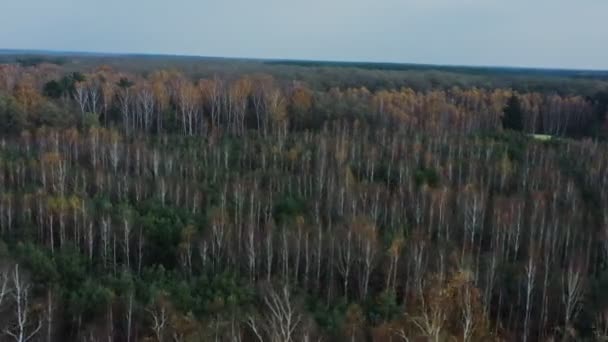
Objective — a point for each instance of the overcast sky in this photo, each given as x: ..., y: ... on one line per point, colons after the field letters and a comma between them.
x: 539, y: 33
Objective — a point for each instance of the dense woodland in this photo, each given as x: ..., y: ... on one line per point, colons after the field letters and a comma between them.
x: 255, y: 205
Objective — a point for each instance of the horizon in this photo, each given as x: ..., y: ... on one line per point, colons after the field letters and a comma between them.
x: 101, y: 54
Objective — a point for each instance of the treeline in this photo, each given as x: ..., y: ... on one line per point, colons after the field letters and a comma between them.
x: 247, y: 209
x: 322, y: 76
x: 168, y: 102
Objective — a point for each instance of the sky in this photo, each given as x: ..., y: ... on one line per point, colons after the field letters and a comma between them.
x: 522, y: 33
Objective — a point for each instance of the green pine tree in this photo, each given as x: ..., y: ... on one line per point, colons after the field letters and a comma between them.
x: 513, y: 118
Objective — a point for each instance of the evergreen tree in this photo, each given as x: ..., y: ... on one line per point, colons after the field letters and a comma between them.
x: 513, y: 118
x: 601, y: 105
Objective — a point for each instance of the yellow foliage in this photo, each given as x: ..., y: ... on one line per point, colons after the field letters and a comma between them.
x: 442, y: 308
x: 293, y: 154
x: 301, y: 99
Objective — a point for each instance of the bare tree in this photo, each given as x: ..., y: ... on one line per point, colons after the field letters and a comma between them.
x: 93, y: 94
x: 24, y: 328
x: 145, y: 106
x: 600, y: 326
x: 530, y: 278
x: 129, y: 315
x: 282, y: 318
x: 572, y: 294
x: 253, y: 325
x: 432, y: 318
x: 366, y: 244
x: 4, y: 289
x: 346, y: 259
x: 160, y: 317
x: 125, y: 99
x: 81, y: 96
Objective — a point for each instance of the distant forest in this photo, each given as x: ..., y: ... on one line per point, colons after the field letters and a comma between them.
x: 168, y: 198
x: 325, y: 75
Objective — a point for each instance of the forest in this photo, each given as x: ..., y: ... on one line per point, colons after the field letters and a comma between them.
x: 176, y: 199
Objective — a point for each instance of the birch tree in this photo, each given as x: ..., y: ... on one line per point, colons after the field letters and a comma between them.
x: 26, y: 325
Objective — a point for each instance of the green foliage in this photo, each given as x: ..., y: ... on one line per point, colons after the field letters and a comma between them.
x: 427, y: 176
x: 53, y: 89
x: 386, y: 175
x: 162, y: 227
x: 30, y: 61
x: 219, y: 293
x: 374, y: 224
x: 515, y: 143
x: 63, y: 87
x: 78, y: 76
x: 204, y: 295
x: 72, y: 266
x: 329, y: 317
x: 88, y: 300
x: 12, y: 117
x: 126, y: 282
x: 595, y: 304
x: 4, y: 252
x: 51, y: 115
x: 288, y: 207
x: 39, y: 262
x: 124, y: 83
x: 513, y: 117
x: 90, y: 120
x: 600, y: 127
x: 383, y: 308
